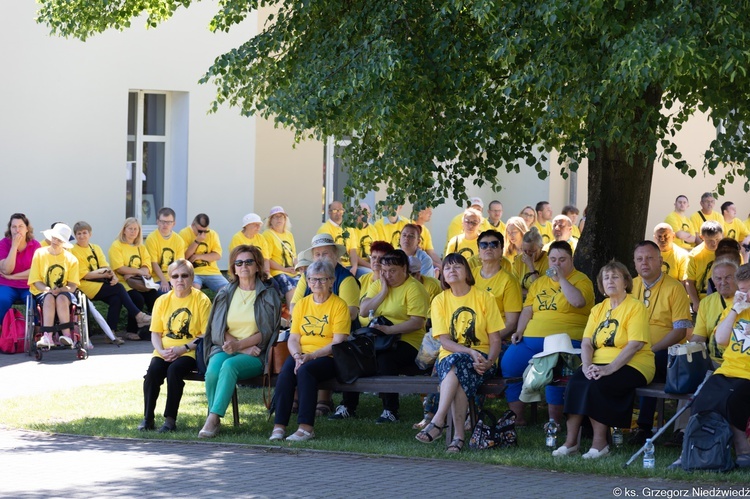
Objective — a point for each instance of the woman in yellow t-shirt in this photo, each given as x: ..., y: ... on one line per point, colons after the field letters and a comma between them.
x: 465, y: 244
x: 250, y: 234
x: 514, y: 231
x: 319, y: 320
x: 467, y: 322
x: 532, y: 261
x: 617, y: 359
x: 180, y: 317
x: 378, y: 250
x: 282, y: 251
x: 528, y: 213
x: 557, y: 302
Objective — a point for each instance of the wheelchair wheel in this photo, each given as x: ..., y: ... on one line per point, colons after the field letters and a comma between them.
x: 82, y: 354
x: 37, y: 354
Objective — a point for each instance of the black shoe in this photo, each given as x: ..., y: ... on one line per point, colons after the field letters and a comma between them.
x: 676, y: 440
x: 167, y: 427
x: 387, y: 417
x: 639, y: 436
x: 341, y: 413
x: 147, y: 425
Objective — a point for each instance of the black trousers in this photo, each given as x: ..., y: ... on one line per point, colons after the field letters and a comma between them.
x: 306, y: 382
x: 174, y: 372
x: 140, y: 299
x: 115, y: 297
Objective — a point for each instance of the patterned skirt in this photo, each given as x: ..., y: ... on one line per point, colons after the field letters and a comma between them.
x: 468, y: 378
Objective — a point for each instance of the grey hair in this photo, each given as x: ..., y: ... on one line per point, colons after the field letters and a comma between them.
x: 321, y: 267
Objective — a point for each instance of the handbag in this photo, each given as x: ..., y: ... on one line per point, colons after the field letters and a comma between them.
x: 687, y: 365
x: 137, y: 282
x: 501, y: 434
x: 354, y: 359
x: 428, y: 352
x: 200, y: 360
x: 382, y: 342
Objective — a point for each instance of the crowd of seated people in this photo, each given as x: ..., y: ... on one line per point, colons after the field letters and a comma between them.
x: 504, y: 288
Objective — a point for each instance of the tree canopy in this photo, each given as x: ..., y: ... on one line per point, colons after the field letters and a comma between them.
x: 432, y: 93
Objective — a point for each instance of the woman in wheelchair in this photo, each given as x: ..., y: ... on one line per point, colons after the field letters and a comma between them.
x: 53, y: 280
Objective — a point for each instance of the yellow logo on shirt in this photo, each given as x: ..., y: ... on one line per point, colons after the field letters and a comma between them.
x: 314, y: 326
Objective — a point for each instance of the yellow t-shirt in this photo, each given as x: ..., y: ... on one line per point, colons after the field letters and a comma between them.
x: 627, y: 322
x: 736, y: 230
x: 668, y: 303
x: 281, y: 248
x: 212, y: 244
x: 737, y: 354
x: 89, y: 260
x: 363, y: 238
x: 573, y: 242
x: 456, y: 226
x: 576, y: 232
x: 126, y: 255
x: 675, y: 262
x: 504, y: 287
x: 680, y: 222
x: 180, y: 320
x: 521, y: 271
x: 405, y: 301
x: 468, y: 319
x: 54, y: 271
x: 425, y: 239
x: 697, y: 221
x: 500, y: 227
x: 164, y: 251
x: 545, y: 231
x: 241, y: 314
x: 700, y: 262
x: 340, y: 236
x: 390, y: 232
x: 552, y: 312
x: 316, y: 323
x: 348, y: 291
x: 713, y: 309
x: 465, y: 247
x: 257, y: 240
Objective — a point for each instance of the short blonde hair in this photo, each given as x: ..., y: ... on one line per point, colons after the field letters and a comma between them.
x: 128, y: 222
x: 181, y: 263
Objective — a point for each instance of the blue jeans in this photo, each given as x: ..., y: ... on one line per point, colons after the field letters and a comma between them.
x: 212, y: 282
x: 9, y: 296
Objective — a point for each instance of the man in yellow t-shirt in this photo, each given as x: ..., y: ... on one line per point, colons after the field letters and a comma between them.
x: 543, y: 221
x: 562, y: 230
x: 715, y: 307
x: 362, y: 238
x: 700, y: 262
x: 250, y: 235
x: 343, y: 236
x: 733, y: 226
x: 203, y: 250
x: 389, y: 228
x: 681, y: 224
x: 669, y: 318
x: 495, y: 217
x: 674, y: 259
x: 705, y: 214
x: 164, y: 246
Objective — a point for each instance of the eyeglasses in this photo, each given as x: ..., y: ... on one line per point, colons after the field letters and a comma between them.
x: 319, y: 280
x: 204, y: 231
x: 337, y: 211
x: 646, y: 296
x: 471, y: 222
x: 179, y: 276
x: 240, y: 263
x: 165, y: 222
x: 489, y: 244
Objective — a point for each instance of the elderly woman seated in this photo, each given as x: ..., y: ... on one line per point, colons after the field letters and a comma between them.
x: 617, y: 359
x: 467, y: 321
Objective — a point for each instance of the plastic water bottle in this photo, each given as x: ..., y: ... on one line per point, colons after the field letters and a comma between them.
x: 370, y: 318
x: 551, y: 429
x: 649, y: 460
x: 616, y: 436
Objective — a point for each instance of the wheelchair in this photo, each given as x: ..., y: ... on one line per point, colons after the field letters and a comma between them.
x: 78, y: 326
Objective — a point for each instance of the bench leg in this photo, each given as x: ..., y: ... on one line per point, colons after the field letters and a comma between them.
x: 235, y: 408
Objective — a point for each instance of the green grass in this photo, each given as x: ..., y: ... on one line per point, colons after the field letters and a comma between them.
x: 116, y: 410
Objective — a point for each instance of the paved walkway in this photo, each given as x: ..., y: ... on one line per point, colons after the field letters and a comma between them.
x: 41, y: 465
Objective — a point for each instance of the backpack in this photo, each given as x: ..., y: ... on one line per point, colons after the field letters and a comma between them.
x: 13, y: 334
x: 708, y: 443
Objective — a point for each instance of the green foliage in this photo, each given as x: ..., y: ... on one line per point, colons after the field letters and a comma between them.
x: 433, y: 93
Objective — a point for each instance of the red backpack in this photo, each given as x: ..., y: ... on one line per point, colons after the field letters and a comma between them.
x: 13, y: 332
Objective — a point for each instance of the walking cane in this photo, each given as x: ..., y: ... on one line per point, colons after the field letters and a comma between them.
x: 669, y: 423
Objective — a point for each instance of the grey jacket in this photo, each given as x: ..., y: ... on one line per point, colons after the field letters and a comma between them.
x: 267, y: 316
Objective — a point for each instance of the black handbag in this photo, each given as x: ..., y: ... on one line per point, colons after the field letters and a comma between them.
x: 501, y: 434
x: 200, y: 361
x: 687, y: 365
x: 383, y: 342
x: 354, y: 359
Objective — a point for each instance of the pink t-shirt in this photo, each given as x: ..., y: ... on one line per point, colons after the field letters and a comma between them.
x: 23, y: 261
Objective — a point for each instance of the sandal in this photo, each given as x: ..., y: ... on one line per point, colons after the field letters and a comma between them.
x: 422, y: 424
x: 426, y: 437
x: 324, y: 408
x: 132, y: 337
x: 456, y: 445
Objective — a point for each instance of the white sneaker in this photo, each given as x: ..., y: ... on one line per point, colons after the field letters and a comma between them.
x: 65, y: 341
x: 45, y: 341
x: 565, y: 451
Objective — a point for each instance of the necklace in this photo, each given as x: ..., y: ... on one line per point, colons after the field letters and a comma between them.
x: 245, y: 295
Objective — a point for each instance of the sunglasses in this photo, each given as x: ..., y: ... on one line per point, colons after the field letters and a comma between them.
x: 204, y: 231
x: 240, y: 263
x: 646, y: 297
x: 179, y: 276
x: 489, y: 244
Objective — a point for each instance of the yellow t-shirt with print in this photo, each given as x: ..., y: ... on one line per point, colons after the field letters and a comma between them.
x: 680, y: 222
x: 627, y: 322
x: 545, y: 231
x: 89, y: 260
x: 316, y: 323
x: 675, y: 262
x: 390, y: 232
x: 465, y: 247
x: 425, y: 239
x: 212, y: 244
x: 241, y: 314
x: 180, y: 320
x: 737, y: 352
x: 257, y: 240
x: 699, y: 268
x: 468, y: 319
x: 164, y: 251
x: 456, y: 226
x: 402, y: 302
x: 552, y: 312
x: 340, y: 236
x: 348, y: 291
x: 55, y: 271
x: 126, y: 255
x: 668, y: 303
x: 697, y: 221
x: 573, y: 242
x: 500, y: 227
x: 363, y: 238
x: 736, y: 230
x: 281, y: 249
x: 713, y: 309
x: 521, y: 271
x: 364, y: 285
x: 504, y: 287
